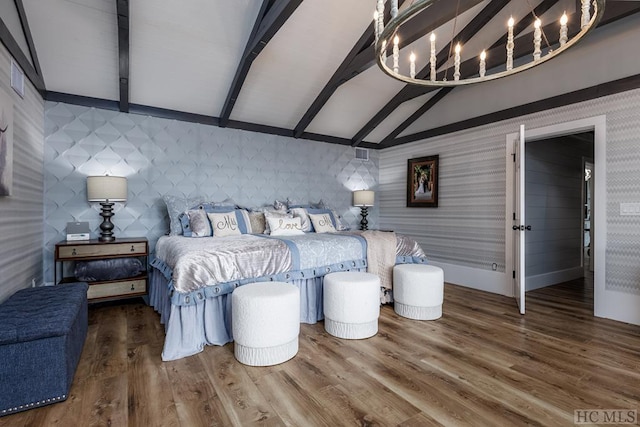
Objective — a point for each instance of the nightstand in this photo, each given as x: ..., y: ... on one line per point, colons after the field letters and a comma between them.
x: 86, y: 250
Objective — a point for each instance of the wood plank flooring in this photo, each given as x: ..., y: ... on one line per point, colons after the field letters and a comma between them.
x: 480, y: 364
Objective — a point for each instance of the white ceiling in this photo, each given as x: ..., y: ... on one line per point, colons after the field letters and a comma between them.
x: 183, y: 57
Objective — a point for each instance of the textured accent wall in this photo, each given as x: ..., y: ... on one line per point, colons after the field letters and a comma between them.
x: 467, y: 228
x: 161, y: 156
x: 553, y: 201
x: 21, y: 213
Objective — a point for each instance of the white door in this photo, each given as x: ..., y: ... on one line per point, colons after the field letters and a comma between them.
x: 519, y: 226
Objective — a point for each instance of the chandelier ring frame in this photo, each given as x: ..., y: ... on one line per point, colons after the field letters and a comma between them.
x: 394, y: 24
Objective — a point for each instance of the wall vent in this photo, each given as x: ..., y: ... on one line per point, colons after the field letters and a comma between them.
x: 17, y: 79
x: 362, y: 154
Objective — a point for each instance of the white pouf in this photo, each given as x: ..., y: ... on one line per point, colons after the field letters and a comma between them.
x: 265, y: 322
x: 351, y: 304
x: 418, y: 291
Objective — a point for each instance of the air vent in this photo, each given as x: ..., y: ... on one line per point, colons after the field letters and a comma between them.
x: 17, y: 79
x: 362, y: 154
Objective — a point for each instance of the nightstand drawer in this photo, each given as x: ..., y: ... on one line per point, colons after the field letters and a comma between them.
x: 113, y: 289
x: 111, y: 249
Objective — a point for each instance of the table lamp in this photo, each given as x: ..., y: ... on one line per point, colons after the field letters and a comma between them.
x: 106, y: 190
x: 364, y: 199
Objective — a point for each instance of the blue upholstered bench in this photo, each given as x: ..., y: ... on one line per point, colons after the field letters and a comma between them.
x: 42, y: 332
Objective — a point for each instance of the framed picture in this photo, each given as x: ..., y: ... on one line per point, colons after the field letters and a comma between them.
x: 422, y: 182
x: 6, y: 144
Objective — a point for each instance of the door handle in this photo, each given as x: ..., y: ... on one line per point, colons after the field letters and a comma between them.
x: 521, y: 227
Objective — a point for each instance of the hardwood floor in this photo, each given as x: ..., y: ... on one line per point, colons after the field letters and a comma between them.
x: 480, y: 364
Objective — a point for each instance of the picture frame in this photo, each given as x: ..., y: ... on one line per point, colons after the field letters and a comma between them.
x: 422, y: 182
x: 6, y: 144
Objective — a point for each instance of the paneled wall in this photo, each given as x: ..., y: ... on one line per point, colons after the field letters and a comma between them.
x: 161, y: 156
x: 468, y: 227
x: 554, y: 209
x: 21, y: 213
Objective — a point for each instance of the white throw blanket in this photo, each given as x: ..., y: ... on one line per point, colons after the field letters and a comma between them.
x: 381, y: 257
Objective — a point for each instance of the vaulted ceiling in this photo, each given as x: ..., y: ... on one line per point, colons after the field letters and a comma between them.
x: 303, y: 68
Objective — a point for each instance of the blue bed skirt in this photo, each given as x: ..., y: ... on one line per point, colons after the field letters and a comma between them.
x: 190, y: 327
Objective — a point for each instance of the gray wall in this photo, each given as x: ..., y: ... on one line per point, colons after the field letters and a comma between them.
x: 468, y: 227
x: 21, y: 213
x: 554, y: 208
x: 160, y: 156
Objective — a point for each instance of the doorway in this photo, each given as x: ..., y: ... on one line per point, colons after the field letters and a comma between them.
x: 513, y: 260
x: 555, y: 208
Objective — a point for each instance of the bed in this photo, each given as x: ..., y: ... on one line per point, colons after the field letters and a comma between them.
x: 191, y: 279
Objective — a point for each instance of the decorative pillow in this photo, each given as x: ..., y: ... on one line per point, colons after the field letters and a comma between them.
x: 279, y: 205
x: 322, y: 211
x: 285, y: 226
x: 224, y: 224
x: 244, y: 222
x: 322, y: 223
x: 226, y: 202
x: 340, y: 226
x: 269, y: 214
x: 301, y: 212
x: 257, y: 221
x: 175, y: 207
x: 199, y: 223
x: 184, y: 217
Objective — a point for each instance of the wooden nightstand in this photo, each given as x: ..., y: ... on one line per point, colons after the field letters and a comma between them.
x: 85, y: 250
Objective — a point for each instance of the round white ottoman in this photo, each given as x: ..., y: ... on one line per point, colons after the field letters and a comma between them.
x: 418, y: 291
x: 351, y: 304
x: 265, y: 320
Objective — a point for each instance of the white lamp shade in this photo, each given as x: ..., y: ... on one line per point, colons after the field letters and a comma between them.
x: 103, y: 188
x: 363, y: 198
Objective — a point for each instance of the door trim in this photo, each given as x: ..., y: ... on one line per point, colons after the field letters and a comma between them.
x: 598, y: 125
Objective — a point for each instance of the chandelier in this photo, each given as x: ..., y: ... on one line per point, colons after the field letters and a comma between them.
x: 388, y: 32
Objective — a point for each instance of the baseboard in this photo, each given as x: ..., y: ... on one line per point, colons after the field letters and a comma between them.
x: 475, y: 278
x: 620, y: 306
x: 553, y: 278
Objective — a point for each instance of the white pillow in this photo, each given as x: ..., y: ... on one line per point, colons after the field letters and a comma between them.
x: 285, y: 226
x: 322, y: 223
x: 304, y: 217
x: 224, y: 224
x: 271, y: 214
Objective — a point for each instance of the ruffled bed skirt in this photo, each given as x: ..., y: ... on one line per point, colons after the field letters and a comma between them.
x: 189, y: 328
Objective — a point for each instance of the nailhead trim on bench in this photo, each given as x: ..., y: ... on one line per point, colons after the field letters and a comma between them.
x: 34, y: 404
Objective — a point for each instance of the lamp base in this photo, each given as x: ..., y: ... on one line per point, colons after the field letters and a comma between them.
x: 364, y: 224
x: 106, y: 233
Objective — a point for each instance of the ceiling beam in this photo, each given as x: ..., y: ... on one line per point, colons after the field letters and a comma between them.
x: 27, y: 34
x: 418, y: 113
x: 409, y: 91
x: 364, y: 42
x: 361, y: 56
x: 581, y: 95
x: 122, y: 7
x: 14, y: 50
x: 272, y: 16
x: 425, y: 22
